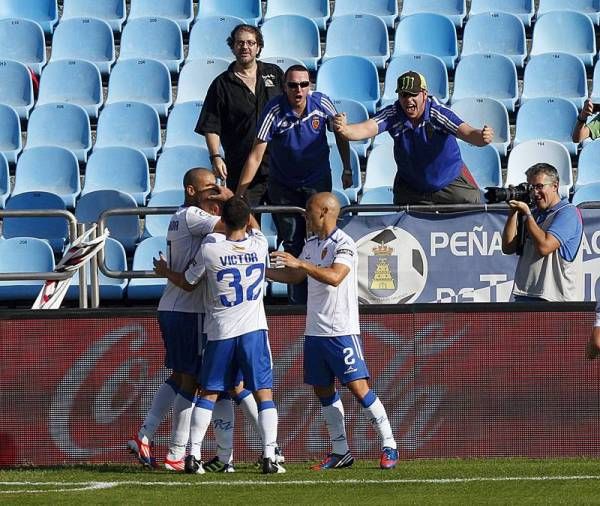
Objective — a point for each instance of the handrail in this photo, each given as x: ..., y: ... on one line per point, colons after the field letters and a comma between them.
x: 438, y: 208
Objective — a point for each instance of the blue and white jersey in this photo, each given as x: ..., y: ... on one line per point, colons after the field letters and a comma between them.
x: 332, y: 310
x: 187, y: 229
x: 235, y: 276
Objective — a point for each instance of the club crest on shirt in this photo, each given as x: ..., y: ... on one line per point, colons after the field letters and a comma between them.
x: 324, y: 253
x: 315, y: 122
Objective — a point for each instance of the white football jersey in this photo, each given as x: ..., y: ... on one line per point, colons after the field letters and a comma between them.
x: 187, y: 229
x: 332, y: 310
x: 235, y: 275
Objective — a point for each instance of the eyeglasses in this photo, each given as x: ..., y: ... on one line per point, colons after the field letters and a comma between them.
x: 405, y: 94
x: 242, y: 43
x: 540, y: 186
x: 301, y: 84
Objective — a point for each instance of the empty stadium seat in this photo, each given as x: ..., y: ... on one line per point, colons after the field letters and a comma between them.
x: 4, y: 181
x: 487, y: 76
x: 378, y: 195
x: 588, y: 166
x: 529, y: 153
x: 141, y: 80
x: 429, y: 34
x: 85, y: 39
x: 43, y: 12
x: 591, y: 8
x: 568, y: 78
x: 60, y: 174
x: 294, y: 36
x: 547, y: 118
x: 317, y: 10
x: 588, y: 193
x: 16, y: 89
x: 523, y: 9
x: 483, y: 163
x: 358, y: 35
x: 596, y: 84
x: 147, y: 288
x: 118, y: 168
x: 111, y: 11
x: 10, y: 134
x: 341, y: 197
x: 180, y: 11
x: 196, y: 76
x: 352, y: 77
x: 381, y: 167
x: 158, y: 224
x: 181, y: 124
x: 74, y: 81
x: 65, y: 125
x: 249, y: 10
x: 208, y: 38
x: 387, y: 10
x: 22, y: 40
x: 174, y: 162
x: 125, y: 229
x: 130, y: 124
x: 283, y: 62
x: 433, y: 69
x: 153, y: 38
x: 55, y: 230
x: 456, y: 10
x: 24, y: 254
x: 495, y: 32
x: 486, y: 111
x: 336, y: 173
x: 355, y: 113
x: 269, y: 230
x: 567, y: 32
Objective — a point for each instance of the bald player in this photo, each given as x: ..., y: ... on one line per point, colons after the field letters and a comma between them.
x: 332, y: 345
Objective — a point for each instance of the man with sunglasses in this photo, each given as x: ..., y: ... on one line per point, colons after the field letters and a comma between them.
x: 430, y: 169
x: 294, y: 126
x: 550, y: 266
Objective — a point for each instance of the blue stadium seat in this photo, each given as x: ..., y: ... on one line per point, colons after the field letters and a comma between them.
x: 43, y: 12
x: 336, y: 173
x: 4, y: 180
x: 10, y: 134
x: 381, y: 167
x: 588, y: 166
x: 341, y: 197
x: 588, y: 193
x: 566, y: 32
x: 283, y: 62
x: 85, y: 39
x: 249, y: 10
x: 317, y: 10
x: 16, y: 88
x: 147, y: 288
x: 130, y: 124
x: 111, y: 11
x: 591, y: 8
x: 294, y: 36
x: 181, y: 124
x: 355, y: 113
x: 141, y: 80
x: 180, y: 11
x: 483, y: 163
x: 60, y: 174
x: 433, y: 69
x: 174, y: 162
x: 486, y: 111
x: 65, y: 125
x: 22, y: 40
x: 429, y: 34
x: 378, y: 195
x: 547, y: 118
x: 196, y: 77
x: 568, y: 78
x: 24, y: 254
x: 208, y: 38
x: 125, y: 229
x: 352, y: 77
x: 54, y: 230
x: 157, y: 224
x: 153, y: 38
x: 596, y: 84
x: 495, y: 32
x: 75, y: 81
x: 531, y: 152
x: 523, y: 9
x: 267, y: 226
x: 487, y: 76
x: 118, y: 168
x: 455, y: 10
x: 358, y: 35
x: 387, y: 10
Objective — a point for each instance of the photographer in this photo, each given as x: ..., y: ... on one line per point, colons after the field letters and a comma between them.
x: 592, y: 129
x: 550, y: 264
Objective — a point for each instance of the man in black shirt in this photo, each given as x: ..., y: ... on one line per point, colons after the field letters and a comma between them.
x: 232, y: 106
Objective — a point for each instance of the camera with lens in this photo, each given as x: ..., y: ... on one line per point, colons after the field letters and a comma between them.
x: 521, y: 192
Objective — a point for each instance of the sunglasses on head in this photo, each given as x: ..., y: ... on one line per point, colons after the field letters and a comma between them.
x: 294, y: 86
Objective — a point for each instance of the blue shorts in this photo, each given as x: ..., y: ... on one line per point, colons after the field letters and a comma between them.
x: 327, y: 358
x: 183, y: 340
x: 224, y: 360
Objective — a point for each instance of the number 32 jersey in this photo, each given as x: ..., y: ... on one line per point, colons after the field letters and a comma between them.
x: 235, y: 275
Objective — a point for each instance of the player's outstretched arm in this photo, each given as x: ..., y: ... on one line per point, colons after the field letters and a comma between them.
x: 333, y: 275
x: 177, y: 278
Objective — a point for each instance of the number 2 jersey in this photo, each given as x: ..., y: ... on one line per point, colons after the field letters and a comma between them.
x: 235, y: 275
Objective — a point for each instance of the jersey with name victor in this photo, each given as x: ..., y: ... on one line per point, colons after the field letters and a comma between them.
x: 332, y: 310
x: 187, y: 229
x: 235, y: 275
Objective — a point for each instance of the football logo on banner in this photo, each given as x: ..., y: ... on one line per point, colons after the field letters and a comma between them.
x: 392, y: 267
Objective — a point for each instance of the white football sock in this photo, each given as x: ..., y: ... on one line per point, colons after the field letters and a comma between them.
x: 377, y: 416
x: 201, y: 417
x: 161, y: 403
x: 267, y: 420
x: 334, y: 420
x: 223, y: 424
x: 247, y: 402
x: 180, y: 428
